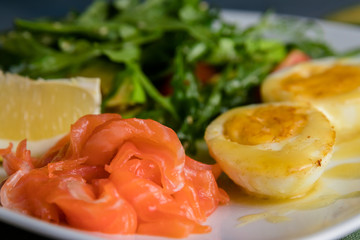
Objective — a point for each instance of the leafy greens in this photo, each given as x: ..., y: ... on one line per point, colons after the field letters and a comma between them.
x: 173, y: 61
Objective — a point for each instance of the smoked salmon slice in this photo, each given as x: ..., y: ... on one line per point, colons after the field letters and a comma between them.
x: 20, y: 160
x: 114, y: 175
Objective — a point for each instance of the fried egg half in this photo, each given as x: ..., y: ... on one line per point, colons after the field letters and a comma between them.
x: 275, y: 150
x: 331, y: 85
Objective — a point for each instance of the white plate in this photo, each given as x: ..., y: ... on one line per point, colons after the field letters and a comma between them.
x: 331, y: 221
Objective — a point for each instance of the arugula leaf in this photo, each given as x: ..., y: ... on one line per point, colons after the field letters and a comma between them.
x: 124, y: 53
x: 144, y: 49
x: 151, y: 90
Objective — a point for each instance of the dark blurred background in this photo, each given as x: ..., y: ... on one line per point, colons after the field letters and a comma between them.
x: 56, y: 8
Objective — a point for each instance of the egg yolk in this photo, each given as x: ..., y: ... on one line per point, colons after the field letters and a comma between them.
x: 337, y: 79
x: 265, y: 125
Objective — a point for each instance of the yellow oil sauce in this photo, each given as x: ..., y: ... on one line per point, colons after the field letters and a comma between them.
x: 344, y: 171
x: 276, y: 210
x: 278, y: 214
x: 268, y: 216
x: 347, y: 149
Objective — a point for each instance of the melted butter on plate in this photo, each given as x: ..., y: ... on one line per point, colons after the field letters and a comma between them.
x: 279, y: 210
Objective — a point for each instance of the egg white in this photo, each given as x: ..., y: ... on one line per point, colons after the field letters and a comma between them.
x: 285, y: 169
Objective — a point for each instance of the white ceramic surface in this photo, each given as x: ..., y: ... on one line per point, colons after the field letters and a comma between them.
x: 330, y: 222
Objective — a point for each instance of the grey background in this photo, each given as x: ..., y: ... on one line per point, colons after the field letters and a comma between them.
x: 30, y: 9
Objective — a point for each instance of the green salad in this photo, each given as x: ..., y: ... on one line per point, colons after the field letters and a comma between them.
x: 177, y: 62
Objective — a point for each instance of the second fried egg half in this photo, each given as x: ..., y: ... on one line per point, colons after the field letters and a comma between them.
x: 331, y: 85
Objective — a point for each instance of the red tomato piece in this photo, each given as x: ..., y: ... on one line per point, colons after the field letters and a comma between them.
x: 294, y: 57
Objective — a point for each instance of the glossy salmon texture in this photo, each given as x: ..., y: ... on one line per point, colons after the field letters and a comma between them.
x: 114, y: 175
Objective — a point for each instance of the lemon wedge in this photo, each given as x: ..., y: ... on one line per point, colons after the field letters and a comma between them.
x: 43, y: 111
